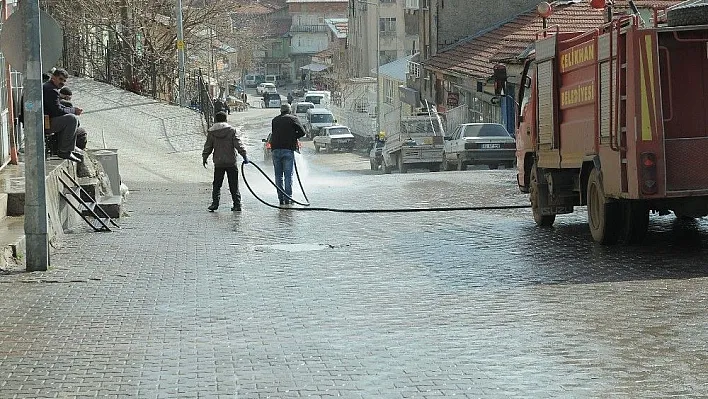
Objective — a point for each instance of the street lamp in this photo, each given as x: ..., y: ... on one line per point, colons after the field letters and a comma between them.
x: 378, y: 62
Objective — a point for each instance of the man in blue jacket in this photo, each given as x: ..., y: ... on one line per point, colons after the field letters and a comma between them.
x: 63, y: 120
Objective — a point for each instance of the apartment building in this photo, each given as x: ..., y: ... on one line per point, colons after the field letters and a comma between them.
x: 309, y: 30
x: 383, y: 26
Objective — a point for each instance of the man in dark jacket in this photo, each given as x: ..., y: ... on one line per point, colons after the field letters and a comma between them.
x: 286, y: 129
x: 63, y: 120
x: 224, y: 141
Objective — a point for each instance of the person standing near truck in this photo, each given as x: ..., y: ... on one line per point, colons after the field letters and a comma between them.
x: 286, y: 130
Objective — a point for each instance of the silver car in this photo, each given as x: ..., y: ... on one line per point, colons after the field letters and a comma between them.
x: 479, y: 144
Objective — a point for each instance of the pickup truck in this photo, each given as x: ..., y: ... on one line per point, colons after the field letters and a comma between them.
x: 417, y: 143
x: 334, y: 138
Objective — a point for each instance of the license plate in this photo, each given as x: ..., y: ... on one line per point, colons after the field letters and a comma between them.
x: 492, y: 145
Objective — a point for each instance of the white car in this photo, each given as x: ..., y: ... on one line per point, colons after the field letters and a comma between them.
x: 332, y: 138
x: 266, y: 88
x: 479, y: 144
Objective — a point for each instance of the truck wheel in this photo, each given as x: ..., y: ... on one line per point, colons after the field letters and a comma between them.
x: 493, y: 166
x: 403, y: 168
x: 373, y: 165
x: 694, y: 14
x: 461, y: 165
x: 635, y: 215
x: 602, y: 214
x: 445, y: 164
x: 328, y: 148
x: 434, y: 167
x: 386, y: 168
x: 536, y: 193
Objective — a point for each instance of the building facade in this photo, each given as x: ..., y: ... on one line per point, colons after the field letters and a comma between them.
x: 385, y: 22
x: 309, y: 31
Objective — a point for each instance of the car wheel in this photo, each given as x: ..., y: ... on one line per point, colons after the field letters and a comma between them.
x: 373, y: 165
x: 317, y: 148
x: 445, y: 164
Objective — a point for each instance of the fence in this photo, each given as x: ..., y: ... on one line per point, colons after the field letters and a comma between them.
x: 91, y: 52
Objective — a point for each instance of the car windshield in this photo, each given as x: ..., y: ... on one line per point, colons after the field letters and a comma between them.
x: 487, y: 130
x: 339, y: 130
x: 321, y: 118
x: 313, y: 99
x: 301, y: 109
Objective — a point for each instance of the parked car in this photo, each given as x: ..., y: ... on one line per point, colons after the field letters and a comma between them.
x: 333, y: 138
x: 375, y: 155
x: 267, y: 150
x: 266, y: 87
x: 271, y: 100
x: 479, y: 144
x: 316, y: 119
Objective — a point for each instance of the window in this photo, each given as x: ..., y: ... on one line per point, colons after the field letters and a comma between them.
x: 388, y: 91
x: 387, y: 56
x: 414, y: 69
x: 486, y: 130
x: 388, y: 1
x: 414, y: 4
x: 387, y: 26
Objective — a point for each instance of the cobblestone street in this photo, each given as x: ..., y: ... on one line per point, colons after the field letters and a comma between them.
x: 264, y: 303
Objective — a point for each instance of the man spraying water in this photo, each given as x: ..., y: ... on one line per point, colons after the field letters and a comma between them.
x: 286, y: 130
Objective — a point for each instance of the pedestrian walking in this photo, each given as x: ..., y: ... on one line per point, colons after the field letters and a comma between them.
x: 286, y: 130
x: 223, y: 140
x: 290, y: 98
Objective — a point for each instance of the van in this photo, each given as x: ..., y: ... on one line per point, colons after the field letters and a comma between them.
x: 277, y: 80
x: 300, y: 110
x: 254, y: 80
x: 316, y: 119
x: 321, y: 99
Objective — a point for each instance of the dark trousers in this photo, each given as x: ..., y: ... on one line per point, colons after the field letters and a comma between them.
x: 232, y: 174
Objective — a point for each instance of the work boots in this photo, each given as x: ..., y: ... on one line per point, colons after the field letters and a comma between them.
x: 214, y: 202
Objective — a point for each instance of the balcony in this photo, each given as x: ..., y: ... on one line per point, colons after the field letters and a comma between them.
x: 308, y: 29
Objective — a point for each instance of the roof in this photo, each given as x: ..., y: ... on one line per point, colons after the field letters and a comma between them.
x: 258, y: 8
x: 339, y: 26
x: 316, y: 1
x: 396, y: 70
x: 279, y: 27
x: 476, y: 55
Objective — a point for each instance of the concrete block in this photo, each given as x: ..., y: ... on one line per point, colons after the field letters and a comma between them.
x: 111, y: 204
x: 3, y: 205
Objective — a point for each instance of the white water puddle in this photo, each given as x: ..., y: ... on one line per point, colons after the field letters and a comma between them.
x: 292, y: 247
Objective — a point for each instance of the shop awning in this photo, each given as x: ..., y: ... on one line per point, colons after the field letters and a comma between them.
x: 314, y: 67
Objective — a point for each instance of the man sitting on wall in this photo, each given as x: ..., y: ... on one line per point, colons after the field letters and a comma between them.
x: 63, y: 120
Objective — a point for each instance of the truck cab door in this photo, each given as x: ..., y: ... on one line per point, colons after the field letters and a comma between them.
x: 546, y: 101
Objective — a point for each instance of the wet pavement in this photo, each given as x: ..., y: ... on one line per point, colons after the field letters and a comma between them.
x: 285, y: 303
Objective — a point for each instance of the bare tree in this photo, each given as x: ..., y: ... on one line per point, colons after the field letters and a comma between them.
x: 132, y: 43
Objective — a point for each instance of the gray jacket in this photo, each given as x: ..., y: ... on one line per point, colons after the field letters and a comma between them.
x: 223, y: 140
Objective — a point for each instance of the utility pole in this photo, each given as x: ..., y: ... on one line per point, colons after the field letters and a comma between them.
x: 180, y: 53
x: 378, y: 61
x: 35, y: 170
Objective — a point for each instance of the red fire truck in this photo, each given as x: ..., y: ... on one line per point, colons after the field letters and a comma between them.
x: 616, y: 118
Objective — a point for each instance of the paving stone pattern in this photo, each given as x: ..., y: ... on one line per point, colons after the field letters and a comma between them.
x: 182, y: 303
